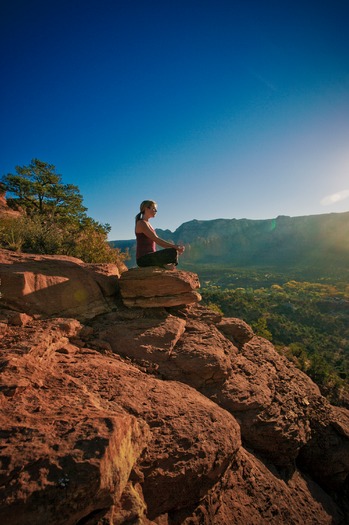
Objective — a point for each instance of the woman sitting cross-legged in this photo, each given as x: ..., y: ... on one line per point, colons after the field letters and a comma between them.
x: 147, y: 239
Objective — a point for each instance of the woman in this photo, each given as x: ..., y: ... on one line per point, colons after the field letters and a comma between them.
x: 147, y: 239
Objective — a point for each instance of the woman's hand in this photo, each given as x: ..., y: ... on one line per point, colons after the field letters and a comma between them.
x: 180, y: 248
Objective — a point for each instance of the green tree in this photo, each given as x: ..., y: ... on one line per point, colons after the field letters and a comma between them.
x: 54, y: 219
x: 38, y: 190
x: 261, y: 328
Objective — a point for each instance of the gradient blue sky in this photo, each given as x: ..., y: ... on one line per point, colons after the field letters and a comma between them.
x: 212, y: 108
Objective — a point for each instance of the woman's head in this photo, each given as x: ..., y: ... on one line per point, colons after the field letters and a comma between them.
x: 147, y: 204
x: 151, y: 205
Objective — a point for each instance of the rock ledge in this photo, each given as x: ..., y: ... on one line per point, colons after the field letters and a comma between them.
x: 154, y: 287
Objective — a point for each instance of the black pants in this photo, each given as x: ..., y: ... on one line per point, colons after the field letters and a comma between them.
x: 159, y: 258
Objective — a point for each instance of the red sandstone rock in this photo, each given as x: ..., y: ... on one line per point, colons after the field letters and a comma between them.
x: 56, y: 285
x: 65, y: 454
x: 136, y: 417
x: 19, y: 319
x: 270, y: 397
x: 272, y: 401
x: 190, y: 352
x: 5, y: 210
x: 326, y: 455
x: 252, y: 493
x: 154, y: 287
x: 75, y: 422
x: 236, y: 330
x: 193, y: 440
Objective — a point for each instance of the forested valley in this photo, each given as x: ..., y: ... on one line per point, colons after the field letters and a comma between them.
x: 304, y: 314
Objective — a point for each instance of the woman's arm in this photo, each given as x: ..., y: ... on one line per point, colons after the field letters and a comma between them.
x: 144, y: 227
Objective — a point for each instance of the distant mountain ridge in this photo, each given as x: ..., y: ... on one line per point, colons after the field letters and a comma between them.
x: 305, y: 241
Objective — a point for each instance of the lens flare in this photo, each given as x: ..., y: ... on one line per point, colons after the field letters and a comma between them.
x: 335, y: 197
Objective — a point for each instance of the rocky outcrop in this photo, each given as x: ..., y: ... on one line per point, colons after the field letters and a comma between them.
x: 49, y: 285
x: 272, y: 400
x: 75, y: 422
x: 326, y: 456
x: 161, y: 416
x: 153, y: 287
x: 236, y: 330
x: 5, y: 211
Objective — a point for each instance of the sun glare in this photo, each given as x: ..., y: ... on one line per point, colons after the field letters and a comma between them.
x: 335, y: 197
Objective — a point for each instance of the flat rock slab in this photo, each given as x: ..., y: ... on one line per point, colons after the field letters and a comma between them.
x: 154, y: 287
x: 50, y: 285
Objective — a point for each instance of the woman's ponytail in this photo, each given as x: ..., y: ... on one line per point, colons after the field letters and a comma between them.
x: 138, y: 216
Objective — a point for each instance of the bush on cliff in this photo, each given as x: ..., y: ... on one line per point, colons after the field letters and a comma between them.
x: 53, y: 219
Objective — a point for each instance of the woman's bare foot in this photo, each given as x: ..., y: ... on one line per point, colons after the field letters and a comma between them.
x: 169, y: 266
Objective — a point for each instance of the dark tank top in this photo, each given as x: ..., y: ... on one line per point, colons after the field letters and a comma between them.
x: 144, y: 245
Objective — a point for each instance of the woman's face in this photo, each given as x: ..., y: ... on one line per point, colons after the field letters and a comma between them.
x: 153, y: 209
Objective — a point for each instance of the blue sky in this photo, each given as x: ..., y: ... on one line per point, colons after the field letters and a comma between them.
x: 212, y: 108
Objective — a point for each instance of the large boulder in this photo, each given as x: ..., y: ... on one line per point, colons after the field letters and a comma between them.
x: 326, y: 455
x: 154, y: 287
x: 236, y: 330
x: 176, y: 347
x: 65, y: 454
x: 56, y: 285
x: 252, y: 493
x: 86, y: 433
x: 278, y: 406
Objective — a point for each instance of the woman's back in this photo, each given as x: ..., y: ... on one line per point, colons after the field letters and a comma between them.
x: 144, y: 245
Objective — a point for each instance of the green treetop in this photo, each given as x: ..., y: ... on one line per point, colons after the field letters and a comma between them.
x: 38, y: 190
